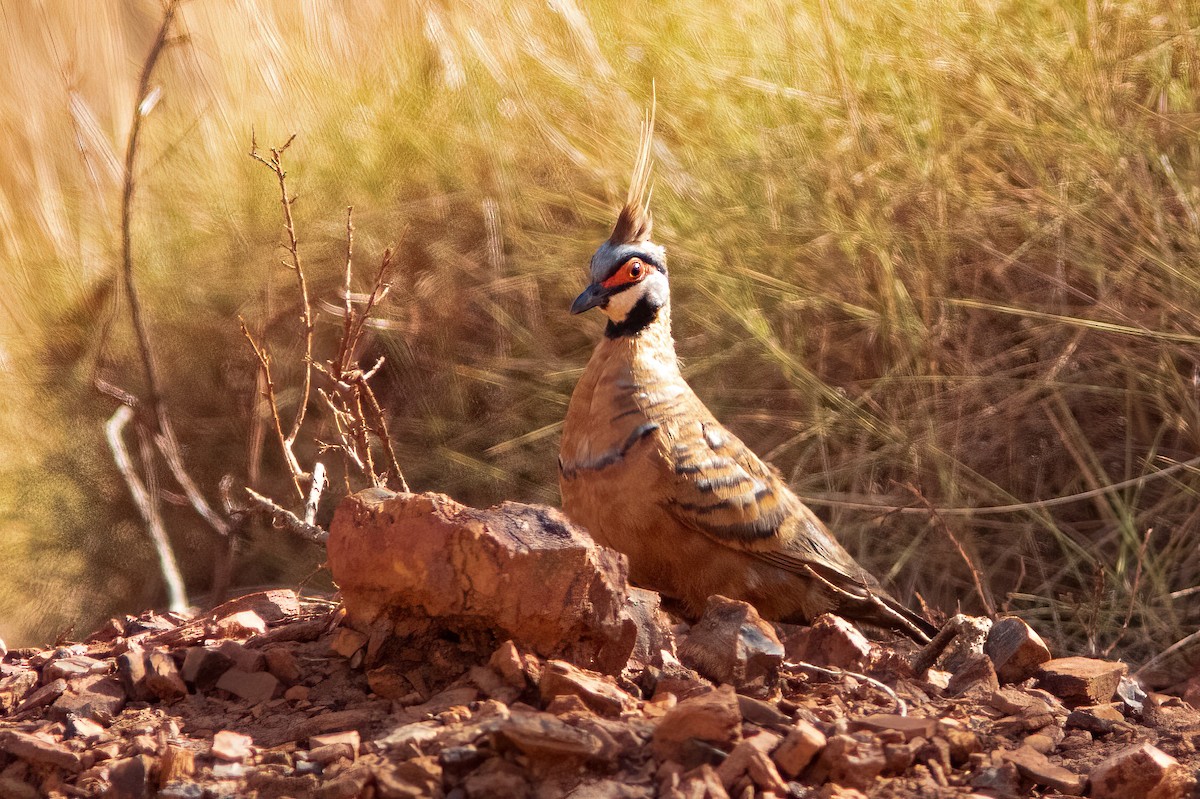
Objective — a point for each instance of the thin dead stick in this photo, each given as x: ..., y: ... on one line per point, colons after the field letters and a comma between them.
x: 264, y: 362
x: 275, y: 164
x: 901, y: 706
x: 147, y: 507
x: 285, y: 519
x: 168, y: 445
x: 382, y: 432
x: 935, y: 518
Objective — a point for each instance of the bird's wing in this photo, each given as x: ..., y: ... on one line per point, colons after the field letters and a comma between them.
x: 722, y: 489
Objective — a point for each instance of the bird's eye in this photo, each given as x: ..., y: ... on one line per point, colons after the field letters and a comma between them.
x: 636, y: 269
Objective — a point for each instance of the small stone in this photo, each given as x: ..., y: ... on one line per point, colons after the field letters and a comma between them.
x: 1081, y: 681
x: 748, y: 755
x: 253, y: 686
x: 282, y: 663
x: 849, y: 761
x: 833, y: 641
x: 976, y: 676
x: 1034, y: 766
x: 599, y: 692
x: 43, y: 696
x: 84, y: 729
x: 297, y: 693
x: 242, y: 656
x: 330, y: 754
x: 412, y: 779
x: 177, y: 764
x: 542, y: 736
x: 275, y: 605
x: 732, y: 644
x: 75, y: 666
x: 349, y: 738
x: 713, y: 718
x: 1143, y: 771
x: 97, y: 698
x: 1015, y: 649
x: 203, y: 667
x: 962, y: 741
x: 36, y: 750
x: 232, y: 746
x: 507, y: 662
x: 909, y: 727
x: 1097, y: 719
x: 803, y: 743
x: 242, y: 624
x: 345, y: 642
x: 14, y: 687
x: 128, y: 778
x: 162, y: 677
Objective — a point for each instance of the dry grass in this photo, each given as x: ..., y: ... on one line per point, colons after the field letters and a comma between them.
x: 924, y: 256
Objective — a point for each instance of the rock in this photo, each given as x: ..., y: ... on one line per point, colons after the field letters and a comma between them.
x: 732, y: 644
x: 346, y: 642
x: 13, y: 688
x: 242, y: 656
x: 38, y: 751
x: 849, y: 761
x: 162, y: 677
x: 1081, y: 681
x: 348, y: 738
x: 542, y: 736
x: 297, y: 693
x: 74, y: 666
x: 1143, y: 771
x: 1015, y: 649
x: 515, y: 571
x: 599, y: 692
x: 131, y: 671
x: 833, y: 641
x: 908, y: 727
x: 803, y: 743
x: 47, y: 694
x: 273, y: 606
x: 97, y: 698
x: 242, y: 624
x: 128, y: 778
x: 203, y: 667
x: 282, y: 663
x: 750, y: 758
x: 253, y: 686
x: 962, y: 741
x: 976, y: 676
x: 413, y: 779
x: 1034, y: 766
x: 1097, y: 719
x: 713, y: 717
x: 654, y: 636
x: 232, y: 747
x: 494, y: 778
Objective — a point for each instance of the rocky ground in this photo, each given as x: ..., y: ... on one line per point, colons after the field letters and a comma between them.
x: 500, y: 653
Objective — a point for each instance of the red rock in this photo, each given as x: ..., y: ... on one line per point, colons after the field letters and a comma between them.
x: 162, y: 677
x: 177, y: 764
x: 849, y: 761
x: 14, y: 687
x: 1143, y: 771
x: 43, y: 696
x: 273, y: 606
x: 253, y: 686
x: 1097, y: 719
x: 128, y: 778
x: 232, y: 746
x: 75, y: 666
x: 835, y: 642
x: 598, y: 691
x: 747, y: 756
x: 297, y: 693
x: 1034, y: 766
x: 545, y: 737
x: 962, y: 741
x: 97, y: 698
x: 803, y: 743
x: 203, y: 666
x: 38, y: 751
x: 1015, y: 649
x: 345, y: 642
x: 518, y: 571
x: 282, y: 663
x: 242, y: 656
x: 507, y: 662
x: 908, y: 727
x: 713, y: 718
x: 349, y: 738
x: 413, y: 779
x: 732, y: 644
x: 1081, y: 681
x: 654, y: 636
x: 242, y: 624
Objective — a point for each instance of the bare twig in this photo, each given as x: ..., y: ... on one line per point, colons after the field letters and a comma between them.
x: 901, y: 707
x: 264, y: 361
x: 936, y: 519
x: 147, y: 506
x: 285, y: 519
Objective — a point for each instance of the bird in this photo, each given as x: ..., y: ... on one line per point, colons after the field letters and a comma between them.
x: 648, y: 470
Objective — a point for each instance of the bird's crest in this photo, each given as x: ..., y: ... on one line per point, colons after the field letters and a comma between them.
x: 634, y: 223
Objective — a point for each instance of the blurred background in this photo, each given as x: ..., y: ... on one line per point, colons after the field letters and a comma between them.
x: 927, y: 257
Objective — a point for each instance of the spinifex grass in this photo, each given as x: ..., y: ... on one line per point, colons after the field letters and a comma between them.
x: 928, y: 256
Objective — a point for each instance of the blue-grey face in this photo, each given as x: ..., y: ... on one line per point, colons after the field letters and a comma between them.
x: 624, y: 275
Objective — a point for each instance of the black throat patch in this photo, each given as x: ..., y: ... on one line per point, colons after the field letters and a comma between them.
x: 640, y: 317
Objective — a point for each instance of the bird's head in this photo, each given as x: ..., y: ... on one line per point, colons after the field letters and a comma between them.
x: 629, y: 271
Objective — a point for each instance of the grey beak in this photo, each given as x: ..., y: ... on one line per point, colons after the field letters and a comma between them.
x: 591, y: 297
